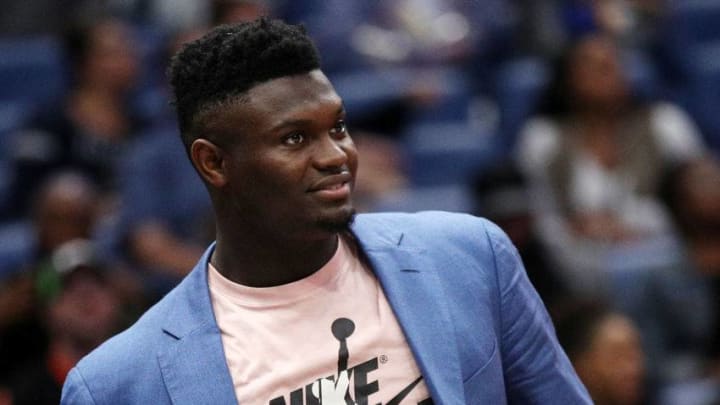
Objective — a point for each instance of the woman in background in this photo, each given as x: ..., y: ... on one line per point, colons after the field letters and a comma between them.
x: 594, y: 155
x: 88, y: 129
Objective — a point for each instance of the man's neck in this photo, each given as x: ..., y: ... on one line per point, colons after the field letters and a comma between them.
x: 262, y: 263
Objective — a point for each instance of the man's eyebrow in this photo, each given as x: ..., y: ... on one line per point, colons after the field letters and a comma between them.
x: 302, y: 121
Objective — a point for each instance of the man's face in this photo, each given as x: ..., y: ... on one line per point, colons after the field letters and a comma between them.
x: 290, y: 163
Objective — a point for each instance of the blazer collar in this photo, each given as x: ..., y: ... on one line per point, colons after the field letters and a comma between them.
x: 413, y: 290
x: 193, y: 360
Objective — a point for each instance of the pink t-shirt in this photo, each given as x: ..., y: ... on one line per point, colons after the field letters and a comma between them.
x: 325, y: 339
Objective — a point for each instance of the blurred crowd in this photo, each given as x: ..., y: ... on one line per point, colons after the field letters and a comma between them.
x: 589, y: 130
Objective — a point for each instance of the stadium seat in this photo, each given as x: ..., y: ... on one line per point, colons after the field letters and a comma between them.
x: 697, y: 19
x: 454, y: 198
x: 13, y: 114
x: 518, y: 86
x: 701, y: 95
x: 446, y: 153
x: 32, y: 70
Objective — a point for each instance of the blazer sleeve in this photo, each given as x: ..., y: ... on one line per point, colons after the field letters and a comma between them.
x: 536, y: 369
x: 75, y: 391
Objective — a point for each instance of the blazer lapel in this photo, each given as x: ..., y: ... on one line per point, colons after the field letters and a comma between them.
x: 194, y: 349
x: 193, y: 361
x: 420, y: 305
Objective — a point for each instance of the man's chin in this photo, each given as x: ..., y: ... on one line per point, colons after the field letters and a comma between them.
x: 340, y: 222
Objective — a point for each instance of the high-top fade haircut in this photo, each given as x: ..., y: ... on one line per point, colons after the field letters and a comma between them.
x: 219, y: 68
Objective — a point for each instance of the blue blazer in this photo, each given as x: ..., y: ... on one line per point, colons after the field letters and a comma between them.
x: 477, y: 328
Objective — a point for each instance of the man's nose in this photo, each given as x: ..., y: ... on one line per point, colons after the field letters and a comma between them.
x: 330, y: 153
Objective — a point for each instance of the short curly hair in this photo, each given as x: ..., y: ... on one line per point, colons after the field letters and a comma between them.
x: 228, y: 61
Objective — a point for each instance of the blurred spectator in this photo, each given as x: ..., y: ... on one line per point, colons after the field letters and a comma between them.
x: 64, y: 213
x: 595, y: 155
x: 606, y: 351
x: 546, y: 27
x: 501, y: 195
x: 23, y: 339
x: 400, y: 32
x: 64, y: 208
x: 80, y: 308
x: 62, y: 301
x: 174, y: 16
x: 628, y: 21
x: 692, y: 192
x: 177, y: 16
x: 165, y: 218
x: 401, y: 61
x: 5, y: 395
x: 235, y: 11
x: 539, y: 30
x: 694, y: 199
x: 88, y: 129
x: 32, y: 17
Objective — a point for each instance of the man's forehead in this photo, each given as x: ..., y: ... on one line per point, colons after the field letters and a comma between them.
x: 276, y: 101
x: 289, y: 90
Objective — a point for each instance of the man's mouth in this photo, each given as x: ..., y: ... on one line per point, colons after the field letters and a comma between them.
x: 333, y: 187
x: 339, y: 191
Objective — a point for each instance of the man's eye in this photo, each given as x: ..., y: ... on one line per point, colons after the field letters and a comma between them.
x: 339, y: 128
x: 294, y: 139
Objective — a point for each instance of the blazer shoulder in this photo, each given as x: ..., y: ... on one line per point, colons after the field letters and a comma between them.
x: 127, y: 357
x: 436, y: 221
x: 457, y: 245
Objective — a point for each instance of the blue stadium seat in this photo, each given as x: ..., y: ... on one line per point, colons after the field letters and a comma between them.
x: 152, y: 47
x: 446, y: 153
x: 13, y: 114
x: 701, y: 95
x: 704, y: 59
x: 696, y: 19
x: 17, y: 244
x: 366, y: 91
x: 518, y: 86
x: 31, y: 69
x: 454, y: 198
x: 642, y: 74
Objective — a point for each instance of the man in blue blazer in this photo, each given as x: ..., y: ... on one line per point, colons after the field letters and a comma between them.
x: 447, y: 293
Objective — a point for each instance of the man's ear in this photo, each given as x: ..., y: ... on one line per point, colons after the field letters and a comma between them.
x: 209, y: 161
